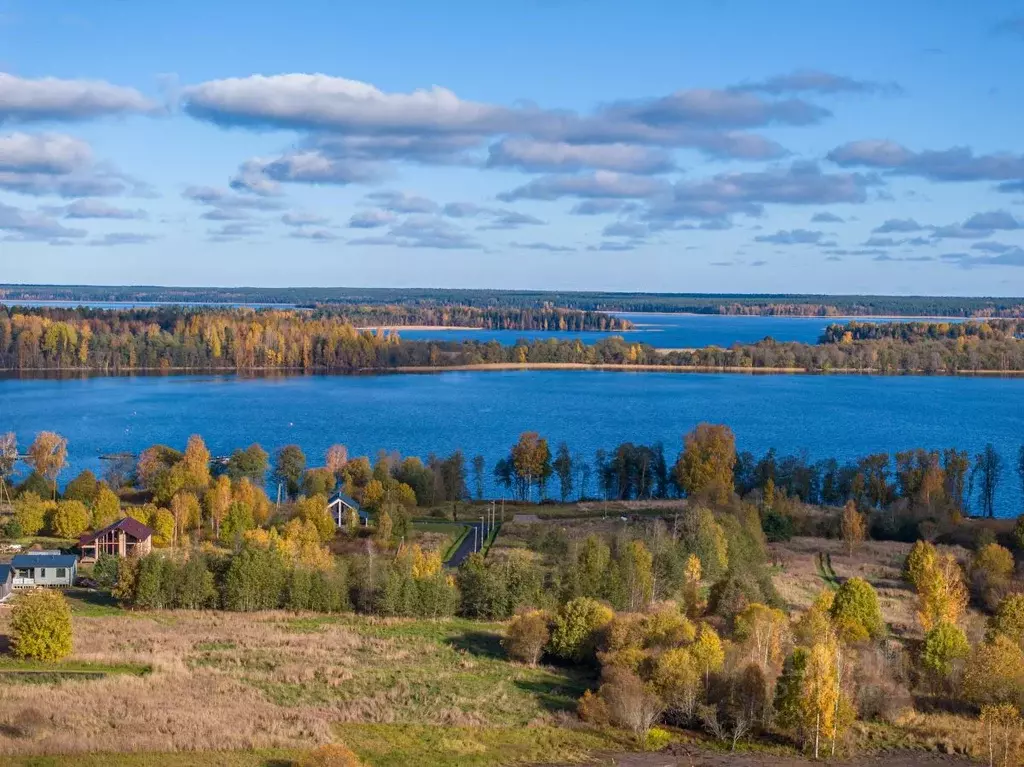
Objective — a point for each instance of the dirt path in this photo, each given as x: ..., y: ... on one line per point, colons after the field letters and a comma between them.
x: 689, y: 756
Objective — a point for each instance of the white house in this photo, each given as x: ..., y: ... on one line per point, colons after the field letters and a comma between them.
x: 44, y: 568
x: 339, y: 504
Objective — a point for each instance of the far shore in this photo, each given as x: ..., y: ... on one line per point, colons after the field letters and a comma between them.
x: 11, y: 374
x: 417, y: 327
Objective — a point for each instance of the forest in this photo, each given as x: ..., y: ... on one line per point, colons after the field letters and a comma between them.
x: 673, y: 620
x: 489, y: 318
x: 696, y: 303
x: 246, y: 340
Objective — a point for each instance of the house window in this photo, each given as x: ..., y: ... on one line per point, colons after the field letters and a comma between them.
x: 62, y: 572
x: 42, y: 572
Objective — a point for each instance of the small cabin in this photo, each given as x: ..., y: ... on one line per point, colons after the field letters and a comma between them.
x: 339, y: 504
x: 120, y: 539
x: 6, y: 581
x: 44, y: 569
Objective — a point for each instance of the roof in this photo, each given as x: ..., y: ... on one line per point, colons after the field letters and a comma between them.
x: 130, y: 525
x: 44, y: 560
x: 5, y: 572
x: 345, y: 499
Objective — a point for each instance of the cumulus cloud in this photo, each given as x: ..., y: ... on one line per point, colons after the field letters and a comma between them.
x: 546, y: 246
x: 993, y: 220
x: 25, y: 100
x: 955, y: 164
x: 298, y: 218
x: 42, y: 153
x: 348, y: 119
x: 801, y: 183
x: 898, y: 225
x: 632, y: 229
x: 54, y: 164
x: 402, y: 202
x: 816, y: 81
x: 552, y: 157
x: 225, y: 203
x: 599, y: 184
x: 792, y: 237
x: 370, y: 219
x: 123, y: 238
x: 314, y: 234
x: 91, y: 208
x: 27, y: 225
x: 264, y: 177
x: 422, y: 232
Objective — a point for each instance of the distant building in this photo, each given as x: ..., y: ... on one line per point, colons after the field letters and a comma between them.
x: 339, y: 504
x: 44, y: 569
x: 6, y: 581
x: 121, y: 539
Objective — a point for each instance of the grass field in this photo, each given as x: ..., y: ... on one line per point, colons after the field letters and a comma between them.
x: 245, y: 689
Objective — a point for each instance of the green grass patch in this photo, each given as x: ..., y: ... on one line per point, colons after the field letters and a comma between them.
x: 13, y: 671
x: 399, y: 745
x: 91, y: 603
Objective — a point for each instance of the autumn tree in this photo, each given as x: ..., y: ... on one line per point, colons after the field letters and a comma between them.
x: 30, y: 512
x: 985, y: 475
x: 337, y: 457
x: 919, y: 563
x: 196, y: 465
x: 942, y: 595
x: 186, y: 511
x: 995, y: 672
x: 531, y: 459
x: 765, y: 631
x: 637, y: 567
x: 70, y: 519
x: 856, y: 613
x: 8, y: 461
x: 708, y: 652
x: 944, y: 646
x: 564, y: 469
x: 1009, y: 619
x: 289, y: 464
x: 251, y: 463
x: 47, y: 455
x: 825, y: 712
x: 577, y: 627
x: 526, y: 636
x: 41, y: 626
x: 217, y: 501
x: 107, y: 508
x: 705, y: 467
x: 1003, y: 729
x: 854, y: 528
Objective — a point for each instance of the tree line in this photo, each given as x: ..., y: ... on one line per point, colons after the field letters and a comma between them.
x: 792, y: 304
x: 546, y: 318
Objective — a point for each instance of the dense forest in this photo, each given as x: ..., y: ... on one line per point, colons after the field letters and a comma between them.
x: 697, y: 303
x: 176, y: 339
x: 493, y: 318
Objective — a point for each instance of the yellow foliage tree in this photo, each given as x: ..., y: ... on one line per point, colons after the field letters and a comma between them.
x: 765, y: 630
x: 942, y: 595
x: 854, y: 528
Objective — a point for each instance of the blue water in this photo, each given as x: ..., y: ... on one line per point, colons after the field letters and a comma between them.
x: 666, y: 331
x: 484, y: 412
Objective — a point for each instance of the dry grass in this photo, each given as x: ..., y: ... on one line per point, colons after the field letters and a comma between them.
x: 799, y: 580
x: 224, y: 681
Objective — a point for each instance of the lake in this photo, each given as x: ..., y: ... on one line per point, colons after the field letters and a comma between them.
x: 484, y: 412
x: 669, y: 331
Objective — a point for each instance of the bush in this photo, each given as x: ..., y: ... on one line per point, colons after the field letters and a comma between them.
x: 41, y: 626
x: 657, y: 739
x: 777, y: 527
x: 856, y: 613
x: 332, y: 755
x: 943, y: 646
x: 104, y: 572
x: 578, y: 625
x: 526, y: 637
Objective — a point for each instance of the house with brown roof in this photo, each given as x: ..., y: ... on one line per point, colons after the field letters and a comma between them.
x: 121, y: 539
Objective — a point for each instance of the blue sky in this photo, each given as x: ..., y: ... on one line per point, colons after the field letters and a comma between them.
x: 703, y: 146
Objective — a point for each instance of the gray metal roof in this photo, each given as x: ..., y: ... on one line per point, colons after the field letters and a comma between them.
x: 28, y: 561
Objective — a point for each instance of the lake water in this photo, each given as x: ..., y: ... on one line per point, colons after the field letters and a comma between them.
x: 667, y: 331
x: 484, y: 412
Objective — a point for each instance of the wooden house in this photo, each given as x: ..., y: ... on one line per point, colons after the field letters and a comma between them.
x: 120, y: 539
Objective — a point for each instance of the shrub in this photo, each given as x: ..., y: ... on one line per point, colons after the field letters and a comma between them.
x: 944, y: 645
x: 526, y: 637
x: 1009, y: 619
x: 657, y: 739
x: 104, y: 572
x: 856, y: 613
x: 632, y: 704
x: 777, y: 527
x: 592, y: 709
x: 577, y: 629
x: 41, y: 626
x: 332, y: 755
